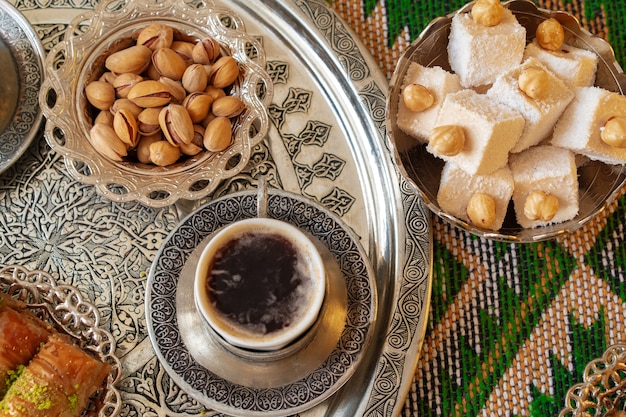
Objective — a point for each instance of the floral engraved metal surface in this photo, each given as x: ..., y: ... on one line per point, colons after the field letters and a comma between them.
x: 316, y: 134
x: 278, y: 71
x: 175, y: 253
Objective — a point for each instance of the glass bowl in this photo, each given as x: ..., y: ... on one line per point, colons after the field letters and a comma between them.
x: 79, y: 59
x: 599, y: 183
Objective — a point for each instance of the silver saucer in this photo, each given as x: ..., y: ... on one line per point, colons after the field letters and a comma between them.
x: 240, y: 382
x: 21, y: 76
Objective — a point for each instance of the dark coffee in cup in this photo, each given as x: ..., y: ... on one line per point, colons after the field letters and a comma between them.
x: 259, y: 280
x: 260, y: 283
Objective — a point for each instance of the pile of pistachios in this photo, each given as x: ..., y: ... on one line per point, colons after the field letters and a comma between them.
x: 164, y: 97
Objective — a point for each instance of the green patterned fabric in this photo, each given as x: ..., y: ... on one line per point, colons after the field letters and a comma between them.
x: 512, y: 326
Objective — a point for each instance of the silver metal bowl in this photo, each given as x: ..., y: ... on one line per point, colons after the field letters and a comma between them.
x: 602, y: 392
x: 599, y: 183
x: 69, y: 312
x: 91, y: 37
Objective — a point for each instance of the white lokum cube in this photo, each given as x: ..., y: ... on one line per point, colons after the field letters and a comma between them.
x: 575, y: 66
x: 540, y: 114
x: 439, y: 82
x: 548, y: 169
x: 580, y: 126
x: 457, y: 187
x: 491, y: 130
x: 478, y: 54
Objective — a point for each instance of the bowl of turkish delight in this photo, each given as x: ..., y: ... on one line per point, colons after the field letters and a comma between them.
x: 510, y: 120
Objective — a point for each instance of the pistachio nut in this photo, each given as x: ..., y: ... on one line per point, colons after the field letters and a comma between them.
x: 124, y: 103
x: 168, y: 63
x: 218, y: 134
x: 108, y: 77
x: 151, y: 73
x: 105, y: 117
x: 100, y: 94
x: 206, y: 51
x: 196, y: 145
x: 125, y: 126
x: 106, y: 142
x: 156, y: 36
x: 143, y: 146
x: 150, y: 93
x: 148, y: 121
x: 228, y: 106
x: 214, y: 92
x: 133, y: 59
x: 224, y: 72
x: 184, y: 49
x: 198, y: 105
x: 163, y: 153
x: 195, y: 78
x: 176, y: 124
x: 183, y: 37
x: 177, y: 90
x: 208, y: 119
x: 124, y: 82
x: 198, y: 135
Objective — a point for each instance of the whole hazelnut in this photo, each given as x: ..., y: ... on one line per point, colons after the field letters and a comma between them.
x: 446, y: 140
x: 541, y: 206
x: 614, y: 132
x: 550, y: 34
x: 534, y: 82
x: 417, y: 98
x: 487, y: 12
x: 481, y: 210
